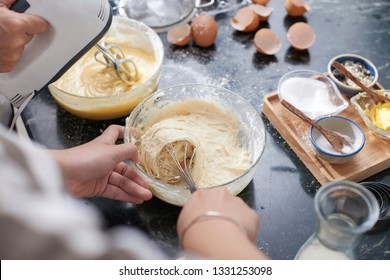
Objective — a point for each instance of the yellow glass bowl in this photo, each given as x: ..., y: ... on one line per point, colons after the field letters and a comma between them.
x: 121, y: 104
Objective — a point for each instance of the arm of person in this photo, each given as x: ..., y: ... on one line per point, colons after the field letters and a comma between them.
x: 217, y: 225
x: 97, y: 169
x: 16, y: 31
x: 216, y: 238
x: 38, y: 220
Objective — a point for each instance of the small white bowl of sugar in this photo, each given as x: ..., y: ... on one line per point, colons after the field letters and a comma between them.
x: 344, y: 127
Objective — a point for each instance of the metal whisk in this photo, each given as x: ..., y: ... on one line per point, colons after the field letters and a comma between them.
x: 182, y: 171
x: 113, y: 58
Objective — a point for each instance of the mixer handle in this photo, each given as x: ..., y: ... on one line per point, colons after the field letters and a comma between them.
x: 20, y: 6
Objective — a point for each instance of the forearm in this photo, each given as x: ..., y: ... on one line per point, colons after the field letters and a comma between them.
x: 61, y: 158
x: 219, y: 239
x: 67, y: 166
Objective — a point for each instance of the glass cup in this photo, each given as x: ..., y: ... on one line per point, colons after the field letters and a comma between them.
x: 345, y: 210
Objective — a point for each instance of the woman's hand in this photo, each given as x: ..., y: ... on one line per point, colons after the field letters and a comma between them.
x: 97, y: 169
x: 220, y: 200
x: 231, y: 235
x: 16, y: 31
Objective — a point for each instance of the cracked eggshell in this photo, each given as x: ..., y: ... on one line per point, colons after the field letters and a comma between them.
x: 301, y: 36
x: 267, y: 42
x: 296, y: 8
x: 245, y: 20
x: 180, y: 35
x: 261, y: 11
x: 204, y: 30
x: 261, y: 2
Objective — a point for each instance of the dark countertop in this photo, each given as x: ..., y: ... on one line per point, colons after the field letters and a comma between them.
x: 283, y: 188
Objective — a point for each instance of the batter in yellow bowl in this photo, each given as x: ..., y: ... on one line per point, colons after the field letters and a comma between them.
x: 92, y: 79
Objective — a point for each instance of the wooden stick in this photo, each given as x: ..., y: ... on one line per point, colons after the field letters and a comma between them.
x: 335, y: 140
x: 376, y: 97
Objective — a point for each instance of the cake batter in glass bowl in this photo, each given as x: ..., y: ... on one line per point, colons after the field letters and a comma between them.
x: 227, y: 132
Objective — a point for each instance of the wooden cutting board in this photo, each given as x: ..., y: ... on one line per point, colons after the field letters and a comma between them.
x: 373, y: 158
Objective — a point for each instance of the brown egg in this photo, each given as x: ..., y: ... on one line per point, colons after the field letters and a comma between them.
x: 204, y: 30
x: 261, y: 2
x: 180, y: 35
x: 245, y: 20
x: 261, y: 11
x: 267, y: 42
x: 296, y: 8
x: 301, y: 35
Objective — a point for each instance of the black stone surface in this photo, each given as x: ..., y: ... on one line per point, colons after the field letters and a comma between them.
x: 283, y: 188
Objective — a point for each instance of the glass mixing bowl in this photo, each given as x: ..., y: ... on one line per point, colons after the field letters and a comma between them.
x: 251, y: 132
x: 311, y: 92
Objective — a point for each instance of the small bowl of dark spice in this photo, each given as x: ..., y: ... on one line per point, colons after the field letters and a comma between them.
x: 360, y: 67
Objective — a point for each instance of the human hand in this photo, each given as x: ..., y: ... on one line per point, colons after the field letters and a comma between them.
x: 231, y: 236
x: 16, y: 31
x: 220, y: 200
x: 97, y: 169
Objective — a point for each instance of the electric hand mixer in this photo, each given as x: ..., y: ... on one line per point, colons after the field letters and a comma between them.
x: 75, y: 26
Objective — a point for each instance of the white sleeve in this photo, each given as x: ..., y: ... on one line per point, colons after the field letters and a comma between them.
x: 38, y: 220
x: 5, y: 111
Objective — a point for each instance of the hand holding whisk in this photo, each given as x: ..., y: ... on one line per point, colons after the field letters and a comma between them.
x: 113, y: 58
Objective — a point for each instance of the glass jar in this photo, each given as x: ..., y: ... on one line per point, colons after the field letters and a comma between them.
x: 345, y: 210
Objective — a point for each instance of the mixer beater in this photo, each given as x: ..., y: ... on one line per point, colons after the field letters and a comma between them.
x: 116, y: 64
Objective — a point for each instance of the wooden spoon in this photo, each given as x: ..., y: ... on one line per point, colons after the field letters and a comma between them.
x: 337, y: 141
x: 378, y: 98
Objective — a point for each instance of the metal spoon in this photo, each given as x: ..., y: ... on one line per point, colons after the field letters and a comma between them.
x: 337, y: 141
